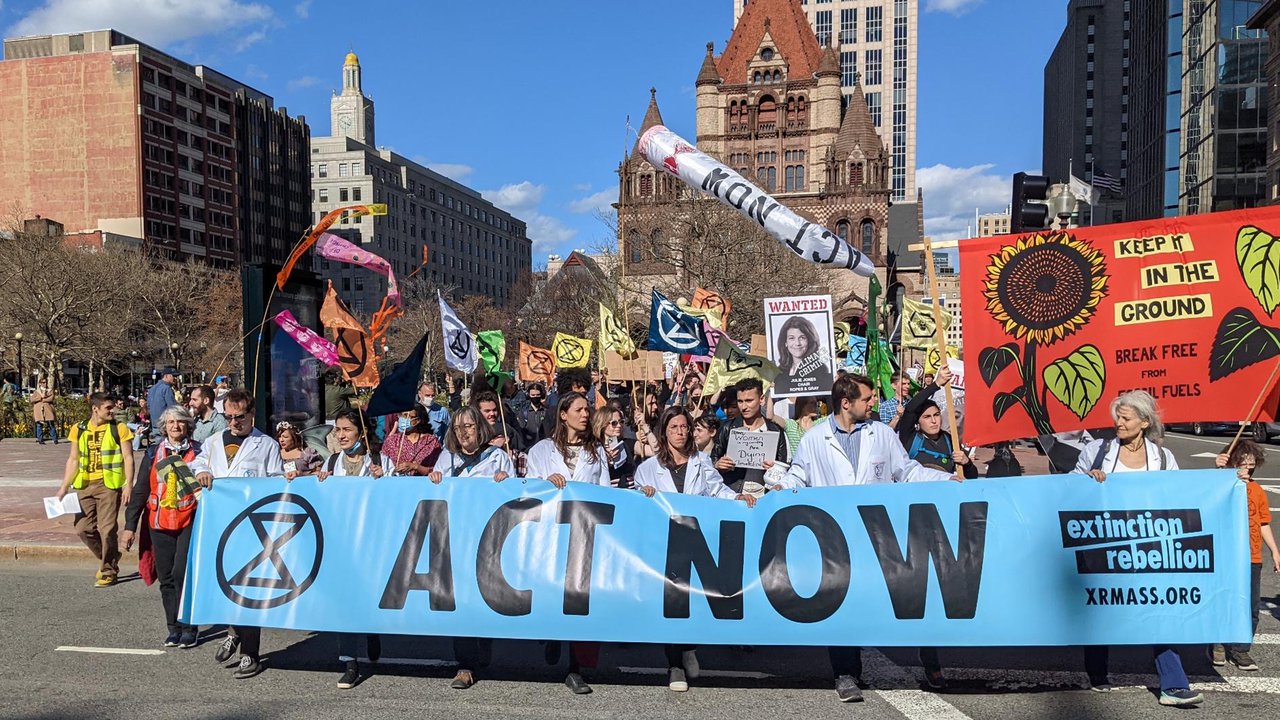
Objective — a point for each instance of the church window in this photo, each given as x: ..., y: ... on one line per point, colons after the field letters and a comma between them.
x: 634, y: 248
x: 802, y: 110
x: 777, y: 76
x: 766, y: 54
x: 768, y: 111
x: 657, y: 240
x: 646, y: 185
x: 855, y: 174
x: 755, y: 77
x: 842, y: 229
x: 800, y: 177
x: 868, y: 237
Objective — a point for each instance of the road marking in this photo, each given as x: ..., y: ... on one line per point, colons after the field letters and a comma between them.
x: 1205, y: 455
x: 702, y: 672
x: 913, y: 704
x: 422, y: 662
x: 108, y: 651
x: 1023, y: 679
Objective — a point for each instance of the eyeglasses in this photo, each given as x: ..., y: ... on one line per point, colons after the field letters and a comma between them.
x: 241, y: 416
x: 615, y: 423
x: 465, y: 426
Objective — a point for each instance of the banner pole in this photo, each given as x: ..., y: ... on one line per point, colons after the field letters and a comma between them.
x: 1257, y: 405
x: 941, y: 336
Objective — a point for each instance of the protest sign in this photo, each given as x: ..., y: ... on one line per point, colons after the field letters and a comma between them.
x: 570, y: 351
x: 919, y: 329
x: 749, y: 449
x: 759, y: 346
x: 798, y: 330
x: 1153, y: 558
x: 646, y: 365
x: 1060, y: 322
x: 536, y: 364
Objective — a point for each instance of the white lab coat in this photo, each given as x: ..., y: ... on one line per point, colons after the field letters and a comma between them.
x: 1112, y: 457
x: 259, y: 456
x: 700, y: 478
x: 820, y: 461
x: 334, y: 465
x: 492, y: 462
x: 545, y: 460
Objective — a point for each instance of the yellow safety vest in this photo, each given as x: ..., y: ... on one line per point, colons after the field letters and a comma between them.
x: 112, y: 458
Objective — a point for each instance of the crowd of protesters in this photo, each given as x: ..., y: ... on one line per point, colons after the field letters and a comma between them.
x: 659, y: 437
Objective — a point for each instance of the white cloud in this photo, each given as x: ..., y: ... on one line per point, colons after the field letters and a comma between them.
x: 582, y: 187
x: 521, y: 200
x: 454, y: 171
x: 155, y: 22
x: 252, y: 38
x: 951, y: 194
x: 597, y: 202
x: 955, y: 7
x: 303, y: 9
x: 303, y: 82
x: 253, y: 72
x: 518, y: 199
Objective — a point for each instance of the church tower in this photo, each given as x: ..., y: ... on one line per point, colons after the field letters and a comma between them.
x: 351, y: 113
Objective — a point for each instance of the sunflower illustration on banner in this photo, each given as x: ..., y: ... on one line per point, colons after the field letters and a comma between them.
x: 1043, y: 289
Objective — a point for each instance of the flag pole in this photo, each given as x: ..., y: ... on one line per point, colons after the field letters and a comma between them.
x: 1257, y: 405
x: 941, y: 337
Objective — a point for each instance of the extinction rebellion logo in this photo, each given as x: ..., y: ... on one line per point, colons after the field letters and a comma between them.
x: 1137, y: 541
x: 270, y: 553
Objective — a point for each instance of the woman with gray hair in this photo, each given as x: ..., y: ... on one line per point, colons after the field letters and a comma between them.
x: 1135, y: 448
x: 165, y: 489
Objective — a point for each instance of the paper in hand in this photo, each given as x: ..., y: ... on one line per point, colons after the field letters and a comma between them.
x: 68, y: 505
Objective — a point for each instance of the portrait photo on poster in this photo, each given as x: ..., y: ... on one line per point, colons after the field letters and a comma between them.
x: 798, y: 331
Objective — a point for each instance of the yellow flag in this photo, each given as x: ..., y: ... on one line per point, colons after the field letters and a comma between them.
x: 730, y: 365
x: 918, y: 327
x: 931, y: 358
x: 614, y: 337
x: 570, y: 351
x: 713, y: 316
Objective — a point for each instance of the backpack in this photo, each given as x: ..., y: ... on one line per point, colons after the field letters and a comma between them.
x: 917, y: 446
x: 1097, y: 459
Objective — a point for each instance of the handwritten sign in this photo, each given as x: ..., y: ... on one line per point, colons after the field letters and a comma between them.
x: 750, y: 449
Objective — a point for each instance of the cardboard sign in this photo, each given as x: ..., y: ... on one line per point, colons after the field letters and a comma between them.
x: 647, y: 365
x: 799, y: 335
x: 750, y: 449
x: 759, y: 346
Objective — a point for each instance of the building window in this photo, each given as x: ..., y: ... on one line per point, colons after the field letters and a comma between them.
x: 848, y: 68
x: 842, y: 229
x: 823, y: 26
x: 868, y: 238
x: 322, y: 170
x: 344, y: 170
x: 855, y: 173
x: 849, y: 26
x: 875, y: 21
x: 873, y: 108
x: 646, y: 185
x: 767, y: 116
x: 875, y: 75
x: 342, y: 195
x: 355, y: 194
x: 324, y: 195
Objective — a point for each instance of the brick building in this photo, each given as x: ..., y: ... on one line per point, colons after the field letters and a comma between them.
x: 107, y: 134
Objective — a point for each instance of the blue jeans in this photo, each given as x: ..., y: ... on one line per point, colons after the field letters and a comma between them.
x: 1168, y: 666
x: 43, y: 425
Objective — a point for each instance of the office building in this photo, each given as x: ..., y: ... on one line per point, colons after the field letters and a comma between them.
x: 993, y: 224
x: 1198, y: 114
x: 1086, y: 104
x: 108, y: 134
x: 1267, y: 19
x: 434, y: 225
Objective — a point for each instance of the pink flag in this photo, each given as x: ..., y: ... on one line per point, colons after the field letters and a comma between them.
x: 332, y: 247
x: 323, y: 350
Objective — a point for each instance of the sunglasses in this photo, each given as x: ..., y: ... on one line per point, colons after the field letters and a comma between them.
x: 229, y: 416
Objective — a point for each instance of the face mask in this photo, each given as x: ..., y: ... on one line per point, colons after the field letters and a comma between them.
x: 354, y: 449
x: 403, y: 424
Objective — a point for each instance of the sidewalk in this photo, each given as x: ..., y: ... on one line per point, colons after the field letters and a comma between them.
x: 30, y: 472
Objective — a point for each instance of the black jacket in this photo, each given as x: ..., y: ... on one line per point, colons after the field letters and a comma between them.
x: 735, y: 477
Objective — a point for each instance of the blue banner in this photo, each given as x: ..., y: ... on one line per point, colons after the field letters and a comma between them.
x: 1054, y: 560
x: 673, y: 330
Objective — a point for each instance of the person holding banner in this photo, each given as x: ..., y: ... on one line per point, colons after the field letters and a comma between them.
x: 920, y: 430
x: 467, y: 452
x: 359, y: 455
x: 852, y: 449
x: 680, y: 468
x: 1246, y: 456
x: 571, y: 454
x: 749, y: 392
x: 1135, y: 448
x: 412, y: 446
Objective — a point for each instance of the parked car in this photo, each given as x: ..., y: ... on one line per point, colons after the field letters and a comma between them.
x: 1260, y: 432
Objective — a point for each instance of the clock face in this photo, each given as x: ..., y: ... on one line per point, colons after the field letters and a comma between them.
x: 344, y: 122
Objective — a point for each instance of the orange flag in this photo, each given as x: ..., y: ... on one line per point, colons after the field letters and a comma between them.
x: 536, y: 364
x: 708, y: 300
x: 355, y: 347
x: 325, y: 223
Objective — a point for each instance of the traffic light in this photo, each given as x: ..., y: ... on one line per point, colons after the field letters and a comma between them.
x: 1028, y: 210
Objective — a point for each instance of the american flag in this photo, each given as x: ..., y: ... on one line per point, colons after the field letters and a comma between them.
x: 1105, y: 182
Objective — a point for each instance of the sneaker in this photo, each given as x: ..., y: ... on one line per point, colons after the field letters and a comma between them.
x: 105, y: 581
x: 349, y: 678
x: 1218, y: 654
x: 188, y: 639
x: 463, y: 680
x: 691, y: 667
x: 1100, y: 686
x: 934, y: 678
x: 1180, y: 697
x: 676, y: 680
x: 847, y: 689
x: 575, y: 683
x: 173, y: 640
x: 1242, y: 660
x: 247, y: 668
x: 227, y: 649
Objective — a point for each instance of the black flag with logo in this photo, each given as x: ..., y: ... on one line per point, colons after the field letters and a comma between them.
x: 398, y: 391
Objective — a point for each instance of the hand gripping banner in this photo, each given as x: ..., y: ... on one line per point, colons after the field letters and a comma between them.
x: 1146, y: 558
x: 1061, y: 322
x: 664, y: 149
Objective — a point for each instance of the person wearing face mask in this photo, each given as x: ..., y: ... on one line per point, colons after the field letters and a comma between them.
x: 530, y: 419
x: 920, y: 430
x: 358, y: 456
x: 411, y: 446
x: 571, y: 454
x: 437, y: 414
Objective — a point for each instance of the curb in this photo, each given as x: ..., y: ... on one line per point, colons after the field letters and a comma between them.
x: 24, y: 552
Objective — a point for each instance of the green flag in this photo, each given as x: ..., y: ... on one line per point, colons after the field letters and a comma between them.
x: 493, y: 349
x: 879, y: 366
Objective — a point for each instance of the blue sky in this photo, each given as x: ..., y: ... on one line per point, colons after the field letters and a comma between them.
x: 528, y: 101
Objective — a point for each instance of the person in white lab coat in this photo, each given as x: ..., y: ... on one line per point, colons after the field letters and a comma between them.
x: 468, y: 454
x: 851, y: 448
x: 239, y: 451
x: 680, y: 468
x: 571, y: 454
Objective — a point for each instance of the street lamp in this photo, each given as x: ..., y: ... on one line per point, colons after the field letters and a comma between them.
x: 133, y: 373
x: 203, y: 360
x: 18, y: 336
x: 177, y: 362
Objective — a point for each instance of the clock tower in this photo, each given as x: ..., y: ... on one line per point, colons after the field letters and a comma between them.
x: 351, y: 113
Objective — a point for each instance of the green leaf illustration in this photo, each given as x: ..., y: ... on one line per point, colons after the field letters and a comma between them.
x: 1241, y: 341
x: 993, y: 361
x: 1077, y: 380
x: 1258, y: 254
x: 1004, y: 401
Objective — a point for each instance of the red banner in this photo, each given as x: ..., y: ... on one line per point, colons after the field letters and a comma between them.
x: 1059, y: 323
